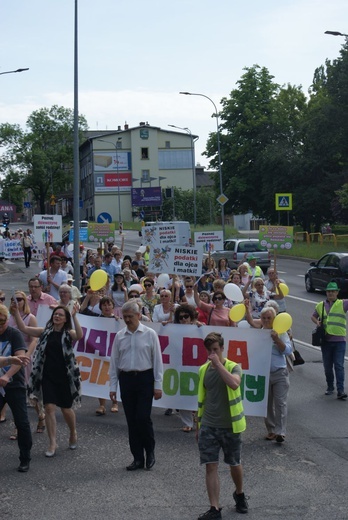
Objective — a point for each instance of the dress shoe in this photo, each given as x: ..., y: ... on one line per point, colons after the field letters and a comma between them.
x: 50, y: 453
x: 136, y: 464
x: 150, y: 460
x: 23, y: 467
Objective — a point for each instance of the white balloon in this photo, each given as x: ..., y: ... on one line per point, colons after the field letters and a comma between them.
x: 71, y: 247
x: 142, y: 249
x: 233, y: 292
x: 243, y: 325
x: 163, y: 280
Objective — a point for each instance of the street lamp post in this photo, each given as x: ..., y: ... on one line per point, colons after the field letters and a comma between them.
x: 119, y: 139
x: 188, y: 131
x: 219, y: 152
x: 13, y: 71
x: 336, y: 33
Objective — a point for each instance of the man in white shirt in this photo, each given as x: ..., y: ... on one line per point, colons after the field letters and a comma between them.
x: 136, y: 363
x: 53, y: 277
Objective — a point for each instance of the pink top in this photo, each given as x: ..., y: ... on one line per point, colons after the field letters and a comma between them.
x: 218, y: 317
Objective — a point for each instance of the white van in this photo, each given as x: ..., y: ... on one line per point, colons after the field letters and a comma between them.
x: 83, y: 223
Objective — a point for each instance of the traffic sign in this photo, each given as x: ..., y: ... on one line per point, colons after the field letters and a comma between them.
x: 283, y: 201
x: 222, y: 199
x: 104, y: 218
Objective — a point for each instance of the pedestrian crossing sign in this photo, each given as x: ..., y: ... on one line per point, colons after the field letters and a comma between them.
x: 283, y: 201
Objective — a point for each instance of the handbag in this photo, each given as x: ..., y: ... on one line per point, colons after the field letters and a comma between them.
x: 298, y: 358
x: 318, y: 334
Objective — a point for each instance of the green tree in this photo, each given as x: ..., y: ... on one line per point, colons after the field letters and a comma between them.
x: 40, y: 157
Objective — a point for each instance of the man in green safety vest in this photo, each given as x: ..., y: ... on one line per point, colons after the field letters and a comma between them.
x: 333, y: 313
x: 220, y: 422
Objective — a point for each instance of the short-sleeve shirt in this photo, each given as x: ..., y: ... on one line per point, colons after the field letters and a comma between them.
x: 10, y: 342
x: 216, y: 406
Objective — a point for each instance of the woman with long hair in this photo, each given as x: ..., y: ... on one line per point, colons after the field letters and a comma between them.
x: 119, y: 293
x: 55, y: 379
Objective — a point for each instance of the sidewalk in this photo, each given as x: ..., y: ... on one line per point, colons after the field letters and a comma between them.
x: 14, y: 275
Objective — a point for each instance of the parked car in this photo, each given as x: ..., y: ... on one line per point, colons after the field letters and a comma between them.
x: 330, y: 267
x: 237, y: 249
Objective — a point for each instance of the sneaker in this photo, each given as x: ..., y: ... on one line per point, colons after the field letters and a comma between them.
x: 211, y: 514
x: 241, y: 503
x: 24, y: 467
x: 329, y: 392
x: 169, y: 411
x: 341, y: 395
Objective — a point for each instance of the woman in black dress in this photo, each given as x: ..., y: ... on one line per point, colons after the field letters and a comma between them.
x: 55, y: 378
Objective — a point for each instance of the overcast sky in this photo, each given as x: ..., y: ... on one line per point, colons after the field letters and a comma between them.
x: 135, y: 56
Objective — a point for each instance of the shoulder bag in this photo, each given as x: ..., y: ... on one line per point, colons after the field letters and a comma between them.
x: 318, y: 334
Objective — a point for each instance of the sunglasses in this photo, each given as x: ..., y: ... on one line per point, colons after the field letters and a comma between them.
x: 133, y: 295
x: 184, y: 317
x: 189, y: 286
x: 147, y: 285
x: 2, y: 299
x: 18, y: 299
x: 218, y: 298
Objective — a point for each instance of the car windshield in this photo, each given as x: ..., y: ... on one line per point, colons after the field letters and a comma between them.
x: 250, y: 247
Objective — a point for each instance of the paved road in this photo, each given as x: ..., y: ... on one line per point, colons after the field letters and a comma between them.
x: 306, y: 478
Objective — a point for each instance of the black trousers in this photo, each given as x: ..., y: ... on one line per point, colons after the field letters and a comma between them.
x: 27, y: 256
x: 137, y: 394
x: 16, y: 399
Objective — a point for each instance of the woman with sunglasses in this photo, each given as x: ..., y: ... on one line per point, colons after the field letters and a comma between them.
x: 163, y: 312
x: 218, y: 314
x: 55, y: 378
x: 189, y: 297
x: 150, y: 298
x: 30, y: 342
x: 134, y: 294
x: 186, y: 315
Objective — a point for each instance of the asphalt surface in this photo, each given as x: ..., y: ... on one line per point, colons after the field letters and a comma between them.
x: 305, y: 478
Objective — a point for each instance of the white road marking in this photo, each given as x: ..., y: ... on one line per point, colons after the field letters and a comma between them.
x: 301, y: 299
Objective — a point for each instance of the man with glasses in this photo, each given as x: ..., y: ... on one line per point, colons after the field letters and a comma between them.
x: 37, y: 296
x: 136, y: 363
x: 13, y: 388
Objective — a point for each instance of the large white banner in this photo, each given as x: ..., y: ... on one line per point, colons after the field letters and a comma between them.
x: 13, y: 249
x: 183, y: 353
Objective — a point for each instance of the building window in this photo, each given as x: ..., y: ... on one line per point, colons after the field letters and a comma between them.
x: 167, y: 144
x: 145, y: 175
x: 144, y: 153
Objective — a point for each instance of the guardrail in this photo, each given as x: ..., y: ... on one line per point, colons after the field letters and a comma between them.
x: 303, y: 234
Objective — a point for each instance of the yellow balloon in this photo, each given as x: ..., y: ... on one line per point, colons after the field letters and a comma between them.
x: 98, y: 279
x: 284, y: 288
x: 237, y: 312
x: 282, y: 322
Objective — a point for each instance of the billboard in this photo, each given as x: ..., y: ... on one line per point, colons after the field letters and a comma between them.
x: 147, y: 196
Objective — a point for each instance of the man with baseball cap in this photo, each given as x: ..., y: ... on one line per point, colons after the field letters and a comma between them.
x: 254, y: 270
x: 333, y: 313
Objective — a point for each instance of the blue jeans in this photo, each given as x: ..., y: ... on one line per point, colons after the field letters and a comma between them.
x: 333, y: 358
